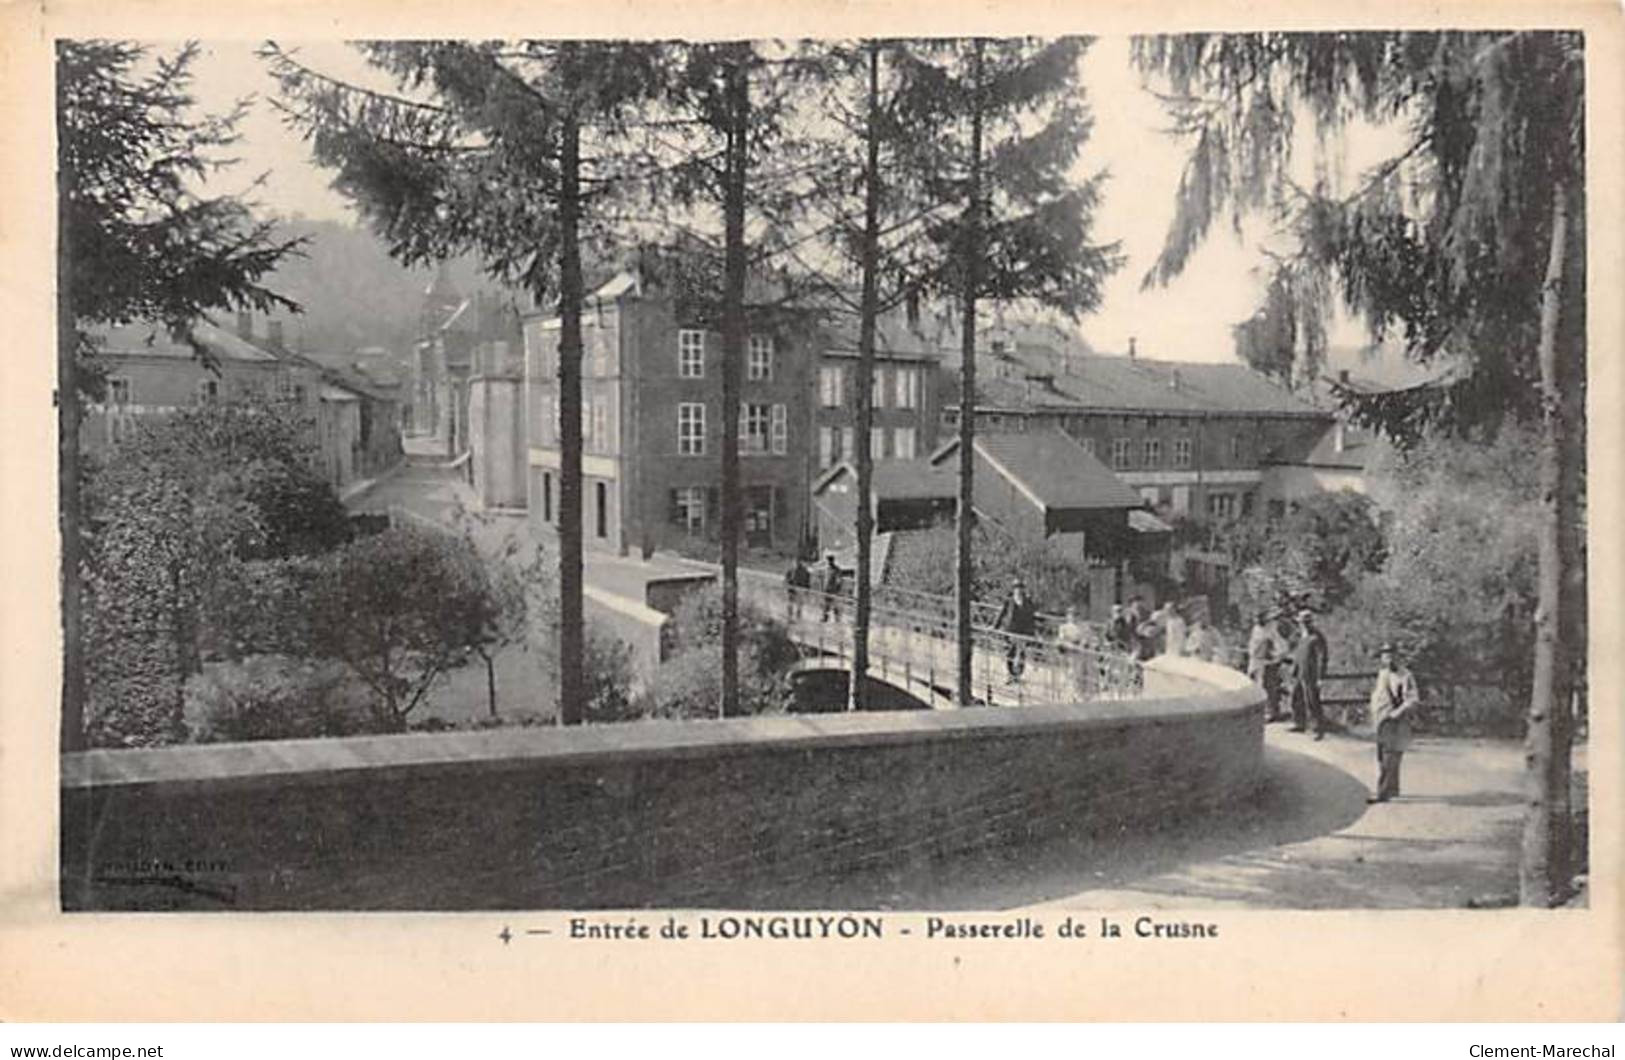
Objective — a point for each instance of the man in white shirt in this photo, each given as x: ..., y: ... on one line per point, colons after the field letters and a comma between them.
x: 1394, y: 701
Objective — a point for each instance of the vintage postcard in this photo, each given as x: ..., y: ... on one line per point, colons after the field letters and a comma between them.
x: 840, y: 512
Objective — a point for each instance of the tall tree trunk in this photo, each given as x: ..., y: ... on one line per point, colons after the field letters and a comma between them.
x: 867, y: 312
x: 572, y: 636
x: 72, y: 736
x: 1544, y: 872
x: 971, y: 248
x: 733, y: 346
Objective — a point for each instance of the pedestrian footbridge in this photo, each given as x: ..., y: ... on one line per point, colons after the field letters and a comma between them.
x: 913, y: 647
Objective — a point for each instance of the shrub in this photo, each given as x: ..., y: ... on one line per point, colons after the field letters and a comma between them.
x: 273, y: 697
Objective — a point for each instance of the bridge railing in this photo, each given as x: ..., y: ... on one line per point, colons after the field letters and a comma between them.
x: 916, y: 646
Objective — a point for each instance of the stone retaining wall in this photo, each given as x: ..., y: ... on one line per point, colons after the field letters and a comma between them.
x: 643, y: 814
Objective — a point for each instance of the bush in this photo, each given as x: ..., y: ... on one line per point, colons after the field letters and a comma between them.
x: 689, y: 683
x: 273, y: 697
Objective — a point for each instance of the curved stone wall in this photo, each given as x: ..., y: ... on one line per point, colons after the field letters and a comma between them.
x: 642, y: 814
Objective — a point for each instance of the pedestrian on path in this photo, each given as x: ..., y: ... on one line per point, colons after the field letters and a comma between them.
x: 1394, y: 700
x: 1264, y: 663
x: 833, y: 577
x: 1308, y: 667
x: 797, y: 580
x: 1174, y: 630
x: 1019, y: 618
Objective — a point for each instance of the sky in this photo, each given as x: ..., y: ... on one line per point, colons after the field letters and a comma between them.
x: 1188, y: 320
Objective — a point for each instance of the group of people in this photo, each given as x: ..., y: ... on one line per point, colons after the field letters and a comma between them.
x: 1144, y: 633
x: 1283, y: 657
x: 798, y: 582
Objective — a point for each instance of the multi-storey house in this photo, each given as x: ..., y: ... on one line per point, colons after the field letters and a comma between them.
x: 651, y: 421
x: 904, y: 393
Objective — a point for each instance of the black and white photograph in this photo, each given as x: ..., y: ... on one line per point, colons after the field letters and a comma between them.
x: 878, y: 488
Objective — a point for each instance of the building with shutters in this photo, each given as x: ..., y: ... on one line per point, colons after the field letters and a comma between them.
x: 651, y: 421
x: 905, y: 393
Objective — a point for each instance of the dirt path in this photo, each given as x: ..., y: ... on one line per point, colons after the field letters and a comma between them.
x: 1309, y: 841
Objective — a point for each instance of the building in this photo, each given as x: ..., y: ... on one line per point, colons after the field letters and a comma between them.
x: 442, y: 361
x: 651, y: 421
x: 1192, y: 439
x: 355, y: 427
x: 904, y: 495
x: 1039, y: 482
x: 905, y: 394
x: 496, y: 409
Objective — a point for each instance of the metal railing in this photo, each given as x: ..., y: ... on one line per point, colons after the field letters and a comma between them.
x: 912, y: 645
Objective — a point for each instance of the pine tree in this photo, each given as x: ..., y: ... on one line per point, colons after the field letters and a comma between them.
x: 1468, y: 241
x: 137, y: 240
x: 997, y: 126
x: 513, y: 151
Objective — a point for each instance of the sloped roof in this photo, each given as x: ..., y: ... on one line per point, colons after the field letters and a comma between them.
x: 1137, y: 384
x: 893, y: 337
x: 1357, y: 448
x: 899, y: 479
x: 1051, y: 468
x: 153, y: 340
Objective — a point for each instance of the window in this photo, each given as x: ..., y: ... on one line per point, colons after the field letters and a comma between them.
x: 907, y: 388
x: 780, y: 426
x: 118, y: 391
x: 759, y: 514
x: 1182, y: 499
x: 600, y: 424
x: 1182, y: 452
x: 902, y: 443
x: 691, y: 354
x: 759, y: 364
x: 1120, y: 453
x: 208, y: 391
x: 1235, y: 448
x: 1153, y: 452
x: 877, y: 388
x: 829, y: 386
x: 847, y: 449
x: 753, y: 429
x: 826, y: 446
x: 1247, y: 503
x: 690, y: 428
x: 550, y: 419
x: 1151, y: 495
x: 1088, y: 445
x: 877, y: 443
x: 1221, y: 505
x: 688, y: 508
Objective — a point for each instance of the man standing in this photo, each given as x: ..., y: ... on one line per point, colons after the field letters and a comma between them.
x: 1173, y: 630
x: 1264, y: 663
x: 831, y: 587
x: 1118, y: 630
x: 1019, y: 618
x: 797, y: 580
x: 1308, y: 667
x: 1394, y: 701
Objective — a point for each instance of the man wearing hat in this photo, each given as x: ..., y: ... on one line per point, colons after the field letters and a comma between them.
x: 1308, y: 667
x: 831, y: 586
x: 1394, y: 701
x: 1018, y: 616
x: 1264, y: 663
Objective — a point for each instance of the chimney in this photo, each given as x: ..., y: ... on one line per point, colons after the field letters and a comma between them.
x: 1338, y: 441
x: 1343, y: 376
x: 1173, y: 379
x: 273, y: 335
x: 245, y: 325
x: 1131, y: 350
